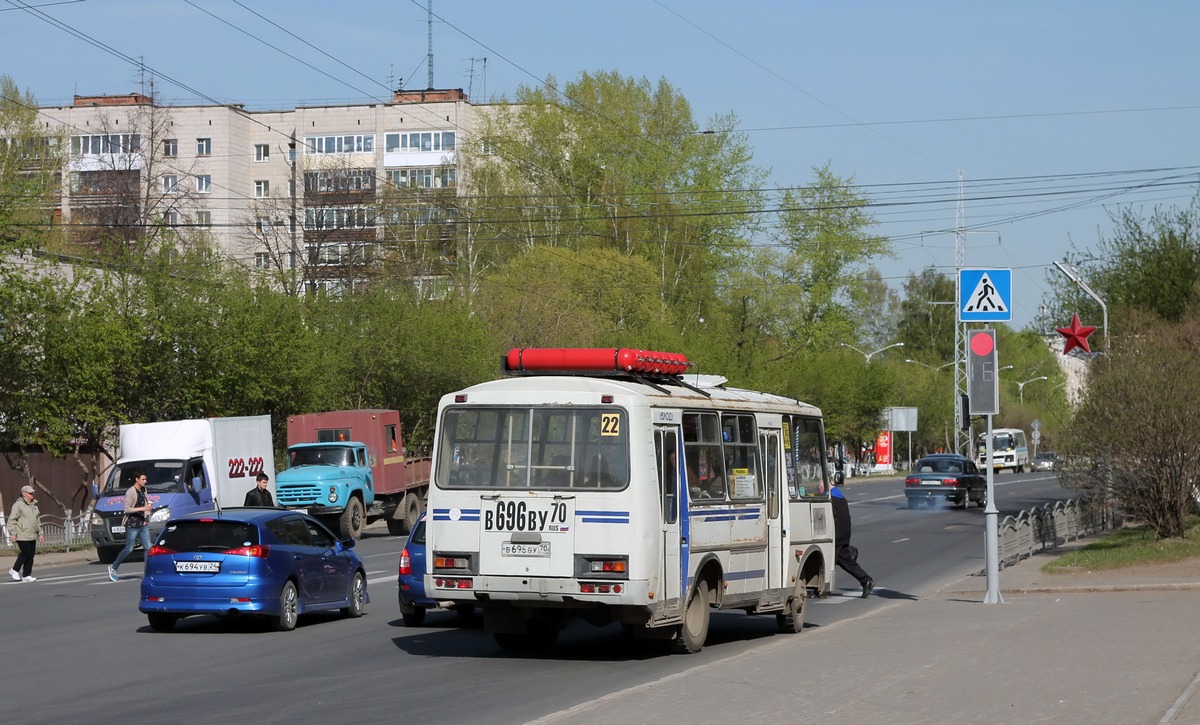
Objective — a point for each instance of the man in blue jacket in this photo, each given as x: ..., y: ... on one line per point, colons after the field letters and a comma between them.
x: 845, y: 554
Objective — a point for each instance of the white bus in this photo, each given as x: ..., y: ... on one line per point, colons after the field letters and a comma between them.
x: 1008, y: 450
x: 605, y: 484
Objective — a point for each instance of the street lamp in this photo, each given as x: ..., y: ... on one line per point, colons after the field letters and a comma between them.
x: 869, y: 355
x: 1021, y: 386
x: 940, y: 367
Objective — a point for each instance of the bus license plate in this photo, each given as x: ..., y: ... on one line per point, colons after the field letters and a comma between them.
x: 118, y: 529
x: 541, y: 548
x: 206, y: 567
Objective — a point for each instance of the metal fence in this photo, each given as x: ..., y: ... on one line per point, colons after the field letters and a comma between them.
x: 1052, y: 525
x: 70, y: 532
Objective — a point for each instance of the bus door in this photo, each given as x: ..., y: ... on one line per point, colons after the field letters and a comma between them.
x: 769, y: 443
x: 672, y: 566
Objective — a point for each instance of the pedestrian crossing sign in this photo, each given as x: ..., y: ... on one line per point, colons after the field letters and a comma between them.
x: 985, y: 295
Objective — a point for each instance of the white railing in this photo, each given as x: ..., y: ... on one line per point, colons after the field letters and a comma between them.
x: 70, y: 531
x: 1052, y: 525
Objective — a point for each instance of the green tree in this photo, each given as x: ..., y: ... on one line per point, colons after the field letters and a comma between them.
x: 608, y: 162
x: 823, y: 234
x: 877, y: 308
x: 1136, y: 424
x: 557, y: 297
x: 928, y: 318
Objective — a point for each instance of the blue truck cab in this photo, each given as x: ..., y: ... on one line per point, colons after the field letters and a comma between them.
x: 173, y: 487
x: 331, y: 481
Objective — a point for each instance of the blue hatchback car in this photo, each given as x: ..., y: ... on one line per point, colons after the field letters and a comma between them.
x: 411, y: 580
x: 265, y: 562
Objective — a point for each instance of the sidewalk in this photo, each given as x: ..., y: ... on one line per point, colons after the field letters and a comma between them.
x: 1099, y: 647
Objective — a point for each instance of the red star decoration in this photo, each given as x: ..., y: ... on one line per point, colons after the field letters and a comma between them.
x: 1076, y: 335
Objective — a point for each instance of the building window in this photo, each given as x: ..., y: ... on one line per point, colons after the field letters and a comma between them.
x: 204, y: 147
x: 419, y: 141
x: 427, y: 178
x: 325, y: 218
x: 113, y: 143
x: 170, y: 184
x: 354, y: 143
x: 342, y: 180
x: 263, y: 226
x: 204, y: 219
x: 204, y: 184
x: 262, y: 152
x: 262, y: 189
x: 171, y: 148
x: 262, y: 260
x: 171, y: 218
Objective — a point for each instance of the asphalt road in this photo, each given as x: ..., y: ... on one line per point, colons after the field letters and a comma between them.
x: 76, y: 646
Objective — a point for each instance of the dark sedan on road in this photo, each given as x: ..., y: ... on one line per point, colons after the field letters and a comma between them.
x: 270, y: 563
x: 945, y: 476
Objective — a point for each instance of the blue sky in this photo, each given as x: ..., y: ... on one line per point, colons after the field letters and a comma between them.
x: 1054, y: 112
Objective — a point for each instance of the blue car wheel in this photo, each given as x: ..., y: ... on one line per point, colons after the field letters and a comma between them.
x: 289, y: 608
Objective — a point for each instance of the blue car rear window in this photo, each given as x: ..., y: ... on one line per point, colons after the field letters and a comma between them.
x: 208, y: 535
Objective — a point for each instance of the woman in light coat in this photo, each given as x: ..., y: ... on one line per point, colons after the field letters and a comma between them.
x: 25, y: 526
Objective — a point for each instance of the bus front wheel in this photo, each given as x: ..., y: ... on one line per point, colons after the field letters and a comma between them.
x: 694, y: 629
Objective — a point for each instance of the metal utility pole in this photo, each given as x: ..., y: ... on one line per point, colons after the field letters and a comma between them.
x: 963, y: 427
x: 429, y: 57
x: 292, y: 215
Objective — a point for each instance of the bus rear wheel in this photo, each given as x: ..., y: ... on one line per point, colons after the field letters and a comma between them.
x: 694, y: 629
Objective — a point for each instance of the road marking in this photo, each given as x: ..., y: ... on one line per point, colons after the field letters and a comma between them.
x: 386, y: 553
x: 897, y: 541
x: 842, y: 597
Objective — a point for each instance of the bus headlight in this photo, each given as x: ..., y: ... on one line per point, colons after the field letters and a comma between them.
x: 96, y: 520
x: 160, y: 515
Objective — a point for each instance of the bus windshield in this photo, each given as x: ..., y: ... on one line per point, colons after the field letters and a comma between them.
x: 1003, y: 441
x: 533, y: 448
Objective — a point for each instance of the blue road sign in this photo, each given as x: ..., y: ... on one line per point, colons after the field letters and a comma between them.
x: 984, y: 295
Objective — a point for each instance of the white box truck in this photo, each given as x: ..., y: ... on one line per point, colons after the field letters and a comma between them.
x: 190, y: 465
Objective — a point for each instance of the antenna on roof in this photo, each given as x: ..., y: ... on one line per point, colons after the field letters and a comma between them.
x: 429, y: 58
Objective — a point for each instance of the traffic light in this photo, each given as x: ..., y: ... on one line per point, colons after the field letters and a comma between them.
x: 983, y: 384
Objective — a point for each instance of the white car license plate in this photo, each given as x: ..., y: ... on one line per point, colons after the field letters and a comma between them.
x: 118, y: 529
x: 508, y: 548
x: 205, y: 567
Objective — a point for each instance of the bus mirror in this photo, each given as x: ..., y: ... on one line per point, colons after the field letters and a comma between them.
x: 839, y: 478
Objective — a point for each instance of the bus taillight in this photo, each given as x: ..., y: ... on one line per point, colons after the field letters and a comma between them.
x: 451, y: 562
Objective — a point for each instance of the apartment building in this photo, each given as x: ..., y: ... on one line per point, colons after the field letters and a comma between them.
x: 328, y: 195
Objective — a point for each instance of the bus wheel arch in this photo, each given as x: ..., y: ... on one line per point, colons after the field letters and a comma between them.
x: 813, y: 571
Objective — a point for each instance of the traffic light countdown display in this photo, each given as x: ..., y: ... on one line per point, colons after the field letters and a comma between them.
x: 983, y: 384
